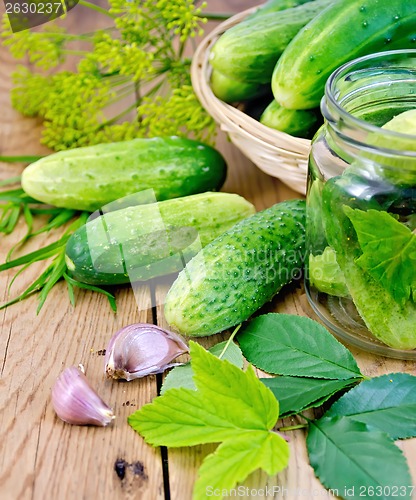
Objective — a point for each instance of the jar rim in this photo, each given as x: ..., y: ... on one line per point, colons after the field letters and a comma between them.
x: 358, y: 122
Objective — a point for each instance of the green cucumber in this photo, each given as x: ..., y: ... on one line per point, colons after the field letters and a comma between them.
x: 345, y: 30
x: 90, y: 177
x: 249, y: 50
x: 141, y: 242
x: 238, y: 272
x: 231, y: 90
x: 326, y: 275
x: 300, y: 123
x: 391, y: 322
x: 396, y: 168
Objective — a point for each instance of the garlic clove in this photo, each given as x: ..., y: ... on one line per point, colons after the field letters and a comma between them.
x: 142, y: 349
x: 76, y: 402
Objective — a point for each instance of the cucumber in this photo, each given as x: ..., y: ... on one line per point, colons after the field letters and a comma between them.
x: 326, y: 275
x: 238, y: 272
x: 345, y: 30
x: 398, y: 169
x: 141, y: 242
x: 90, y: 177
x: 256, y: 107
x: 249, y: 50
x: 231, y: 90
x: 276, y: 6
x: 300, y: 123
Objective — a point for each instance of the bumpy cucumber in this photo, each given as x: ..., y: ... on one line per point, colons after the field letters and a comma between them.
x: 249, y: 50
x: 231, y: 90
x: 141, y: 242
x: 300, y: 123
x: 88, y: 178
x: 343, y: 31
x: 238, y: 272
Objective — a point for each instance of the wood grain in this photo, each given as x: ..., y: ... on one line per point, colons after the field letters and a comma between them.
x: 43, y: 458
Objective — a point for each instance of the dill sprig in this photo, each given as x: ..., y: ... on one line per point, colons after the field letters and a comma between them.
x: 15, y: 203
x: 138, y: 59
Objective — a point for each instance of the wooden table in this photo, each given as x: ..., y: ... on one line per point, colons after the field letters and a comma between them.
x: 43, y: 458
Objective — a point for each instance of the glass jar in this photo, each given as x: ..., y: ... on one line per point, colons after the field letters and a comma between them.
x: 361, y: 205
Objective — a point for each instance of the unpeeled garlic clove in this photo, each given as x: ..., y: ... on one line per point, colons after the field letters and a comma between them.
x: 142, y: 349
x: 76, y: 402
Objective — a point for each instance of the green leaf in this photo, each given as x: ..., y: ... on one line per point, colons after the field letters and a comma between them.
x: 41, y: 254
x: 181, y: 376
x: 16, y: 196
x: 387, y: 402
x: 181, y: 417
x: 286, y: 344
x: 32, y: 288
x: 353, y: 461
x: 10, y: 218
x: 27, y: 214
x: 296, y: 394
x: 389, y: 251
x: 10, y: 180
x: 20, y: 159
x: 58, y: 219
x: 56, y: 269
x: 226, y: 402
x: 238, y: 396
x: 235, y: 458
x: 71, y: 283
x: 70, y: 287
x: 228, y: 405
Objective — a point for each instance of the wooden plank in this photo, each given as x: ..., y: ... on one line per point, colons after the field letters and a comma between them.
x: 40, y: 456
x: 183, y: 463
x: 35, y: 350
x: 247, y: 180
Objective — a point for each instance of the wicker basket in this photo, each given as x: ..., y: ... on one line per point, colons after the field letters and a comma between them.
x: 276, y: 153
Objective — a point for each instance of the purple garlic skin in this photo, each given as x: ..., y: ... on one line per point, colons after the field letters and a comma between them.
x: 142, y: 349
x: 76, y: 402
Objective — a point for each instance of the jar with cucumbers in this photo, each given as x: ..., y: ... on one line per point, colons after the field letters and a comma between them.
x: 361, y: 205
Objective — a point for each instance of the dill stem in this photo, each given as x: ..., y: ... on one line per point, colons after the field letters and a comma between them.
x: 71, y: 52
x: 181, y: 49
x: 229, y: 340
x: 216, y: 16
x: 22, y: 158
x: 117, y: 80
x: 292, y: 427
x: 150, y: 92
x: 10, y: 180
x: 121, y: 94
x: 113, y: 120
x: 58, y: 34
x: 117, y: 117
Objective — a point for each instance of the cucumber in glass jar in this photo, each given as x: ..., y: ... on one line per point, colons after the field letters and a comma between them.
x: 361, y: 216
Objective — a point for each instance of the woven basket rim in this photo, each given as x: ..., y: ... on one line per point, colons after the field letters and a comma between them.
x: 233, y: 120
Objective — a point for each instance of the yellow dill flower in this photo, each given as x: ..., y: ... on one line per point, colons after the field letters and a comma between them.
x: 132, y: 79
